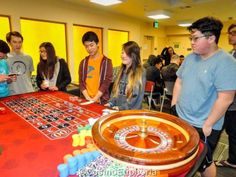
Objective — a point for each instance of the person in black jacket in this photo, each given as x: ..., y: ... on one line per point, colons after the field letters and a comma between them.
x: 153, y: 73
x: 52, y: 72
x: 169, y: 72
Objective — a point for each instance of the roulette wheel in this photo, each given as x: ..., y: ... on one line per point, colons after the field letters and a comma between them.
x: 147, y: 139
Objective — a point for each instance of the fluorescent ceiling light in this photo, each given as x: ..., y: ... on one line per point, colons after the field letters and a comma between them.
x: 106, y: 2
x: 159, y: 15
x: 184, y: 24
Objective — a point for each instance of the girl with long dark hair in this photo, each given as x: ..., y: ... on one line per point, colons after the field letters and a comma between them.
x: 52, y: 72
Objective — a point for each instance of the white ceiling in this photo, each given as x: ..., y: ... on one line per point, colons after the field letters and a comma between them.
x: 182, y: 10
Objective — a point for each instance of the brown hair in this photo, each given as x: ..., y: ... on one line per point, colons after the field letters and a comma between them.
x: 46, y: 67
x: 134, y: 72
x: 13, y: 33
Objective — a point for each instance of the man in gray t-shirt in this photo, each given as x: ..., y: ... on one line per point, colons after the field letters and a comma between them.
x: 20, y: 64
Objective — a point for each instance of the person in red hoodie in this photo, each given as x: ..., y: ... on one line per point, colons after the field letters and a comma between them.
x: 95, y: 71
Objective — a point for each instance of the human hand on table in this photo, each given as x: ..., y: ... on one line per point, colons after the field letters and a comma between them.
x: 88, y: 98
x: 94, y: 99
x: 107, y: 105
x: 112, y: 106
x: 53, y: 88
x: 115, y: 108
x: 43, y: 86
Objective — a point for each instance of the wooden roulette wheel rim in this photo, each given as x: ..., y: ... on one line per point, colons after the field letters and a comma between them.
x: 146, y: 139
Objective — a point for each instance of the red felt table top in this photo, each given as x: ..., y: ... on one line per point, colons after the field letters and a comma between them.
x: 25, y: 150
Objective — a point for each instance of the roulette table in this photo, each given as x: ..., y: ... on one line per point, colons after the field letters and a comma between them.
x: 36, y: 132
x: 149, y: 140
x: 36, y: 129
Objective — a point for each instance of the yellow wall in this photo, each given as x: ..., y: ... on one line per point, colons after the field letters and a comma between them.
x: 159, y: 36
x: 180, y: 43
x: 115, y: 41
x: 79, y: 50
x: 63, y: 11
x: 36, y: 32
x: 223, y: 42
x: 4, y: 27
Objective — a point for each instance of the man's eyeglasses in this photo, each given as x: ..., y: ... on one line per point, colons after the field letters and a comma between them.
x: 195, y: 39
x: 232, y: 33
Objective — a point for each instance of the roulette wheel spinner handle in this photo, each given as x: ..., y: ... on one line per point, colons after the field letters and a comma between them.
x: 143, y: 129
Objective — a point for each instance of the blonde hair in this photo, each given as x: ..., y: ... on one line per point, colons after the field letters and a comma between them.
x: 175, y: 58
x: 134, y: 72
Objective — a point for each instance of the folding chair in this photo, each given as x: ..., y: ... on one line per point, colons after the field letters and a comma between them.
x: 149, y: 87
x: 168, y: 91
x: 162, y: 98
x: 169, y: 85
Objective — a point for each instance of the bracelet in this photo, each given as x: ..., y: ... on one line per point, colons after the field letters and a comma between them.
x: 111, y: 104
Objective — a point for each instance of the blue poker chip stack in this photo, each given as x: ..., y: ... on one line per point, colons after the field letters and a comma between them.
x: 72, y: 163
x: 63, y: 170
x: 86, y: 158
x: 89, y: 157
x: 96, y: 154
x: 81, y: 161
x: 77, y: 163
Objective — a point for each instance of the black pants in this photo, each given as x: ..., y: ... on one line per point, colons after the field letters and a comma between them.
x: 230, y: 128
x: 211, y: 142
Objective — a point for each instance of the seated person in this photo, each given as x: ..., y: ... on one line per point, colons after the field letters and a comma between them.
x: 148, y: 62
x: 169, y: 72
x: 128, y: 89
x: 52, y: 72
x: 153, y: 74
x: 181, y: 57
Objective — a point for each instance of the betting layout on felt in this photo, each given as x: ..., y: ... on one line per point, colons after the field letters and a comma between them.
x: 52, y: 116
